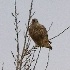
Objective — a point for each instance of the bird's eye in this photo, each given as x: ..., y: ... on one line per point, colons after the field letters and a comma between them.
x: 37, y: 21
x: 33, y: 20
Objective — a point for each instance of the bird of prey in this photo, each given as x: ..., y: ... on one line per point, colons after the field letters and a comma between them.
x: 39, y: 34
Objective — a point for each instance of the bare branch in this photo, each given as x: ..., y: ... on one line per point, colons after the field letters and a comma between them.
x: 48, y: 60
x: 17, y: 36
x: 32, y: 14
x: 32, y: 59
x: 50, y: 26
x: 30, y: 11
x: 60, y: 33
x: 3, y: 66
x: 13, y: 15
x: 13, y: 55
x: 37, y: 59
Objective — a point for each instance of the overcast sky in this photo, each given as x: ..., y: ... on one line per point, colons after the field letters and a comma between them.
x: 47, y: 11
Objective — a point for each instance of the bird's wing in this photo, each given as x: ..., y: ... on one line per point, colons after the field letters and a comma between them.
x: 43, y: 31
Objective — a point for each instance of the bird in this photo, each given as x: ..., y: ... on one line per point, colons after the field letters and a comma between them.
x: 39, y: 34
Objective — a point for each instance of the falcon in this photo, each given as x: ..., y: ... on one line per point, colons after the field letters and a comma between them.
x: 39, y: 34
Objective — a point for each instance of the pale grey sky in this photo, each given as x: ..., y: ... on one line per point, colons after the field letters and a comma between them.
x: 47, y: 11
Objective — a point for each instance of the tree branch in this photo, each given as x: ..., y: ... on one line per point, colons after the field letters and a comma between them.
x: 50, y: 26
x: 48, y: 59
x: 60, y: 33
x: 37, y: 59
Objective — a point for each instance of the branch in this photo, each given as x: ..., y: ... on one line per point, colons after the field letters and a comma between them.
x: 48, y: 60
x: 3, y: 66
x: 32, y: 59
x: 50, y: 26
x: 37, y: 59
x: 13, y: 55
x: 25, y: 38
x: 17, y: 36
x: 30, y: 11
x: 60, y: 33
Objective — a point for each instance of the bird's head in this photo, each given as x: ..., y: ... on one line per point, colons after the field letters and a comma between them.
x: 34, y: 20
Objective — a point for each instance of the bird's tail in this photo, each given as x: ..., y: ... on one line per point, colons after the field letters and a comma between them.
x: 47, y: 44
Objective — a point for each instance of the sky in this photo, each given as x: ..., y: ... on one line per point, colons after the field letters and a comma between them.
x: 46, y: 11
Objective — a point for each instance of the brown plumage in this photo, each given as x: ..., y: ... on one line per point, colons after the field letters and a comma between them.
x: 39, y: 34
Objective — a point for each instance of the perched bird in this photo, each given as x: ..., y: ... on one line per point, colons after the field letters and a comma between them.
x: 39, y: 34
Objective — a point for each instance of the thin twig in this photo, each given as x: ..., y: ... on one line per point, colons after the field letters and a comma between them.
x: 48, y: 59
x: 50, y: 26
x: 3, y: 66
x: 32, y: 59
x: 60, y: 33
x: 16, y: 29
x: 26, y: 60
x: 17, y: 36
x: 13, y: 55
x: 37, y: 59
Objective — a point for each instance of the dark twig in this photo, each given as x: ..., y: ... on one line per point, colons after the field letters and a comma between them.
x: 3, y: 66
x: 60, y: 33
x: 48, y: 59
x: 16, y: 29
x: 37, y: 59
x: 13, y: 55
x: 50, y: 26
x: 17, y: 36
x: 26, y: 61
x: 32, y: 59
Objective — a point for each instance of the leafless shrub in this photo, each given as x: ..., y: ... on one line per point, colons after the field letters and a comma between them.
x: 24, y: 61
